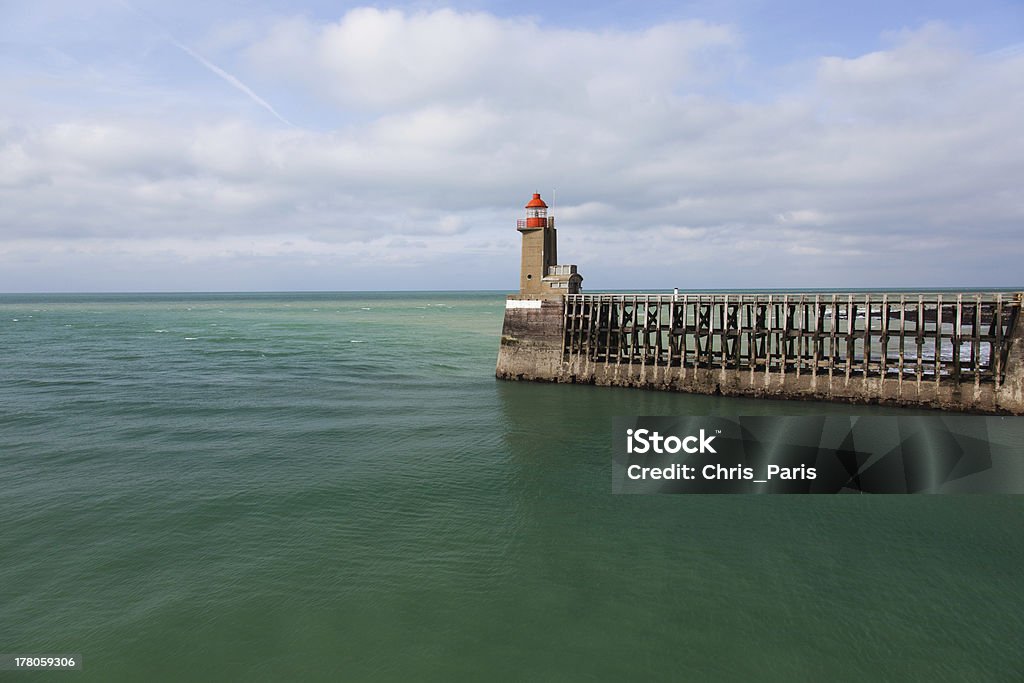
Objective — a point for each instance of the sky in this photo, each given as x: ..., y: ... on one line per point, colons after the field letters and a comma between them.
x: 275, y: 146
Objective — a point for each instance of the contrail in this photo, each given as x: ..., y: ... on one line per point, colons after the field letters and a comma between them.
x: 233, y: 81
x: 1009, y: 51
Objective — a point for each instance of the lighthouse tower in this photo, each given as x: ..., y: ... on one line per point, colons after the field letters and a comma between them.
x: 539, y: 274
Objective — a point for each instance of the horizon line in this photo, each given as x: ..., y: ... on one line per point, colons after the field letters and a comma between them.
x: 976, y: 288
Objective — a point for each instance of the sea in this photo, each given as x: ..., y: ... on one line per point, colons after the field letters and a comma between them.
x: 334, y: 487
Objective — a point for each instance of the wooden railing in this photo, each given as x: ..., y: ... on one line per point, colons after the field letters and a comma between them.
x: 955, y: 337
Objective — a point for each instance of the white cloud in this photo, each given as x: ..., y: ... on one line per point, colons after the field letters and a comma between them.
x: 462, y: 115
x: 929, y: 55
x: 390, y: 58
x: 803, y: 217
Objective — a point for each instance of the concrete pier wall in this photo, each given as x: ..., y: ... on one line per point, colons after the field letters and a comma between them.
x: 961, y: 351
x: 532, y: 338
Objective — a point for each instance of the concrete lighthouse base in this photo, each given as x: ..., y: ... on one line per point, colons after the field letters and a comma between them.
x: 531, y: 339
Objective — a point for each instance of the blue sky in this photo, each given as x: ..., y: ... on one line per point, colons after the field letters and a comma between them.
x: 331, y: 146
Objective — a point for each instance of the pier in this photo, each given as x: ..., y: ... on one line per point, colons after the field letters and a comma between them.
x: 918, y: 337
x: 957, y: 351
x: 960, y: 351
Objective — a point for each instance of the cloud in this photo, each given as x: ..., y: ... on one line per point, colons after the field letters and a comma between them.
x: 926, y: 56
x: 666, y: 174
x: 390, y: 58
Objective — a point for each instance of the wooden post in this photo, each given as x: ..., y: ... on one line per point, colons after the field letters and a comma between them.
x: 751, y: 309
x: 938, y: 338
x: 919, y: 329
x: 958, y: 322
x: 867, y: 335
x: 768, y: 339
x: 851, y: 316
x: 818, y: 332
x: 976, y: 342
x: 727, y: 333
x: 709, y: 337
x: 884, y: 360
x: 833, y: 356
x: 996, y: 353
x: 645, y: 332
x: 686, y: 325
x: 670, y: 351
x: 785, y: 335
x: 903, y: 338
x: 635, y: 333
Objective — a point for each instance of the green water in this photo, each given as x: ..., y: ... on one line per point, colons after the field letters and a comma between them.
x: 334, y: 487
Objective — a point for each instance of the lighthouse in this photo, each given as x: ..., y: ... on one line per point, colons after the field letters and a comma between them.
x: 539, y: 273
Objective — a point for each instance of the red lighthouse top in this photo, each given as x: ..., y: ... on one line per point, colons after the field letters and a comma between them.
x: 536, y: 215
x: 536, y: 202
